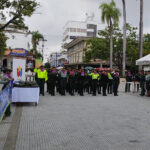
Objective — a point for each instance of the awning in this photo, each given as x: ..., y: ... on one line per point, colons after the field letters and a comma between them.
x: 144, y: 60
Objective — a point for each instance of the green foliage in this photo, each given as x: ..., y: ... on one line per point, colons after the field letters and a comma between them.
x: 47, y: 65
x: 17, y: 10
x: 36, y: 38
x: 99, y: 47
x: 3, y: 39
x: 109, y: 11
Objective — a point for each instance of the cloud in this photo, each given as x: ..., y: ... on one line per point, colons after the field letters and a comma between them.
x: 55, y: 13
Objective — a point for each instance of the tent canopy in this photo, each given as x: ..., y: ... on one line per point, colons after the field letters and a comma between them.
x: 144, y: 60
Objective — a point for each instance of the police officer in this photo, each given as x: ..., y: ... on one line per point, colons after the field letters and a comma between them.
x: 110, y: 82
x: 104, y: 82
x: 116, y: 81
x: 95, y: 77
x: 71, y: 81
x: 52, y: 76
x: 42, y: 78
x: 81, y: 78
x: 63, y: 81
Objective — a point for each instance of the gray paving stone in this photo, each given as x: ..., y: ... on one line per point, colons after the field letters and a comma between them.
x: 86, y: 123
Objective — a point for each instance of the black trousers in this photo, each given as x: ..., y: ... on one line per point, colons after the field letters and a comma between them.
x: 81, y: 82
x: 51, y: 87
x: 104, y: 86
x: 94, y: 86
x: 71, y: 86
x: 115, y: 85
x: 41, y: 83
x: 110, y: 86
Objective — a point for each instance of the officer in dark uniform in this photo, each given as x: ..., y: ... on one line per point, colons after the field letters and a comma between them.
x: 71, y: 81
x: 81, y: 77
x: 104, y: 82
x: 142, y: 82
x: 52, y: 76
x: 116, y: 82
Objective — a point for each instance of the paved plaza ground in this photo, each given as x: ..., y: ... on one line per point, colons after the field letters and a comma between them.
x: 79, y: 123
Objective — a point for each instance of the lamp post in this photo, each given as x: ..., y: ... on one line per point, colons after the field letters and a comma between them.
x: 44, y: 40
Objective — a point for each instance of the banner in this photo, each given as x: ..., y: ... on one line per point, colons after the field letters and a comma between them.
x: 19, y: 69
x: 38, y: 63
x: 4, y: 100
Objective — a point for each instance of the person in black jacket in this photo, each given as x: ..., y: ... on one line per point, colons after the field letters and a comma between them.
x: 104, y: 82
x: 81, y: 78
x: 116, y: 82
x: 141, y: 78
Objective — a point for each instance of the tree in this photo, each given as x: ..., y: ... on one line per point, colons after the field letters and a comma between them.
x: 124, y: 38
x: 110, y: 14
x: 36, y: 38
x: 3, y: 39
x: 141, y: 31
x: 99, y: 47
x: 16, y: 10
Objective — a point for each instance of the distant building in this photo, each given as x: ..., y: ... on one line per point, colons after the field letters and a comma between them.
x: 54, y: 59
x: 74, y: 29
x: 76, y: 54
x: 16, y: 38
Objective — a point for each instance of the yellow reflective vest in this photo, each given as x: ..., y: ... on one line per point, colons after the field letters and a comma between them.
x: 109, y: 76
x: 42, y: 74
x: 95, y: 76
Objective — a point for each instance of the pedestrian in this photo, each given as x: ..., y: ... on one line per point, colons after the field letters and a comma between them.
x: 110, y: 82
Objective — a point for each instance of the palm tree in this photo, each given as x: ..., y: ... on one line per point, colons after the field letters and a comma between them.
x: 110, y: 14
x: 124, y: 38
x: 36, y: 38
x: 141, y: 31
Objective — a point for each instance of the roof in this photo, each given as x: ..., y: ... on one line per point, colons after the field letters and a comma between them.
x: 75, y: 41
x: 144, y: 60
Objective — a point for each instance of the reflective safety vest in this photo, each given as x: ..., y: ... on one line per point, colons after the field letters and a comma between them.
x: 109, y: 76
x: 42, y: 74
x: 95, y: 76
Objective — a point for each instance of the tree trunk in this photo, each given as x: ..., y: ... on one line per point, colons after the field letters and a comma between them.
x: 124, y: 38
x: 141, y: 32
x: 111, y: 44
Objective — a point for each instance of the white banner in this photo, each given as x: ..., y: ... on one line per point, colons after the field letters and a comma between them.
x: 19, y: 69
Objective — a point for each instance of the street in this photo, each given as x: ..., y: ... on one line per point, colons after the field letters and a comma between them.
x: 83, y: 123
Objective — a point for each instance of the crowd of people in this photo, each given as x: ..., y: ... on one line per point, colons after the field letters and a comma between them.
x: 143, y: 78
x: 78, y: 81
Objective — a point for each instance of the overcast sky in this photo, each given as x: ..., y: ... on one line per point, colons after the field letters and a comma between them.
x: 53, y: 14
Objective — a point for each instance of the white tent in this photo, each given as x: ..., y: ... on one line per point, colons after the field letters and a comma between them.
x: 144, y: 60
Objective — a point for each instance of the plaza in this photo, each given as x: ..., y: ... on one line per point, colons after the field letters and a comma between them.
x: 79, y: 123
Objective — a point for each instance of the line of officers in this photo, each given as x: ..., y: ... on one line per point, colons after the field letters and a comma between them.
x: 77, y: 81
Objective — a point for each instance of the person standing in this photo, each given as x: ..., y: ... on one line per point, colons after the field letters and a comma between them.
x: 42, y: 78
x: 110, y: 82
x: 116, y: 82
x: 141, y: 77
x: 95, y: 77
x: 104, y: 82
x: 71, y: 82
x: 63, y: 81
x: 81, y: 78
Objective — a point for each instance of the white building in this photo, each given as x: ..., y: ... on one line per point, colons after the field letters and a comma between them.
x: 74, y: 29
x: 16, y: 38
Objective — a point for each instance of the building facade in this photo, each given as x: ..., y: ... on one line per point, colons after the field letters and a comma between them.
x: 73, y: 29
x: 75, y: 50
